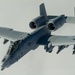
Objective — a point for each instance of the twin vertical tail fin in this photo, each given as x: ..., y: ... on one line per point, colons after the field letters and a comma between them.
x: 43, y: 11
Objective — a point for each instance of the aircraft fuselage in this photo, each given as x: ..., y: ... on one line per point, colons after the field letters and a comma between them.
x: 27, y: 44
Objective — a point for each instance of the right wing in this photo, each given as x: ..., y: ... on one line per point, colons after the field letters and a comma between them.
x: 62, y: 40
x: 11, y: 35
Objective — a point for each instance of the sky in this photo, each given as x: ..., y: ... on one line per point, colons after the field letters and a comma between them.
x: 17, y: 14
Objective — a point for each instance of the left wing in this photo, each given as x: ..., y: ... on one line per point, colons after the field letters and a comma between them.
x: 11, y: 35
x: 62, y: 40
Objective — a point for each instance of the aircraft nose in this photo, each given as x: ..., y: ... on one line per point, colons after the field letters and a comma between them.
x: 4, y: 65
x: 2, y: 68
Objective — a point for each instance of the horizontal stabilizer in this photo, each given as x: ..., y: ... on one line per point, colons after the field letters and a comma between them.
x: 70, y: 20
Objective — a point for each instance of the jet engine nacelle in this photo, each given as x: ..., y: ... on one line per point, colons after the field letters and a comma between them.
x: 37, y: 22
x: 56, y: 23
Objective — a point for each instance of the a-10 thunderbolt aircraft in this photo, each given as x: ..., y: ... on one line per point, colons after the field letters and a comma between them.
x: 22, y: 42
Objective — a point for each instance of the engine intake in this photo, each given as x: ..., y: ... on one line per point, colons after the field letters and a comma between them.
x: 51, y: 26
x: 32, y: 25
x: 37, y: 22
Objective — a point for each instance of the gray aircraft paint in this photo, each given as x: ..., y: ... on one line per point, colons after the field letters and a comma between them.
x: 24, y: 46
x: 48, y: 66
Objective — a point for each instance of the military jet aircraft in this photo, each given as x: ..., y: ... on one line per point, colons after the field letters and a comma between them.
x: 22, y: 42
